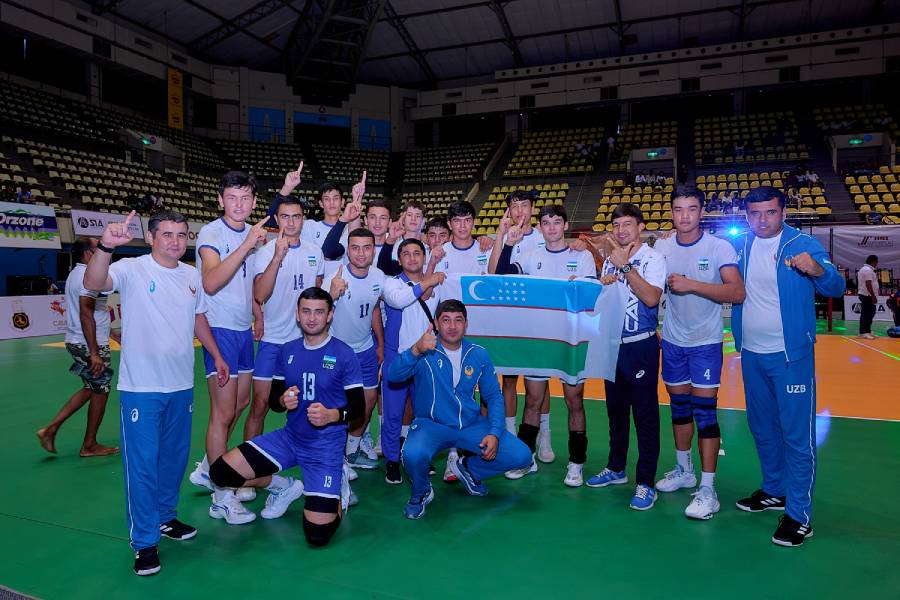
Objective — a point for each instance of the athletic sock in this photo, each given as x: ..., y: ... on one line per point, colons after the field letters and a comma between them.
x: 352, y: 444
x: 528, y: 434
x: 683, y: 457
x: 221, y: 493
x: 204, y: 464
x: 278, y: 483
x: 511, y: 425
x: 707, y: 479
x: 578, y: 443
x: 404, y: 431
x: 545, y: 422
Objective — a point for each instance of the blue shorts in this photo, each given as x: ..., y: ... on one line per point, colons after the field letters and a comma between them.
x: 368, y: 362
x: 699, y: 366
x: 236, y: 348
x: 267, y: 367
x: 322, y: 470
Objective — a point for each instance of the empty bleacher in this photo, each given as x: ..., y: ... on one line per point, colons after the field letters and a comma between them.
x: 877, y: 193
x: 451, y: 163
x: 635, y: 136
x: 652, y: 200
x: 264, y: 160
x: 543, y: 153
x: 495, y: 206
x: 347, y: 164
x: 436, y: 201
x: 748, y: 138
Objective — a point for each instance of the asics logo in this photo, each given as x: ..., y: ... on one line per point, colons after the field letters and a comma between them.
x: 135, y: 415
x: 639, y: 374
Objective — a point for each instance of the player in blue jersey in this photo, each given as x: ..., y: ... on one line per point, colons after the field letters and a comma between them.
x: 641, y: 272
x: 323, y: 393
x: 703, y: 274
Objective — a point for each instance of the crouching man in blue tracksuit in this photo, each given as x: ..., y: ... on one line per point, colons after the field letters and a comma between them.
x: 446, y: 370
x: 775, y: 331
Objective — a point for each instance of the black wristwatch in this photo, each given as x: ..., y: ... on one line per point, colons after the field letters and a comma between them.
x: 626, y: 268
x: 103, y: 248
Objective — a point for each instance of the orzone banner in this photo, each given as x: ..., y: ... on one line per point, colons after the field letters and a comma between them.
x: 28, y: 226
x: 87, y: 222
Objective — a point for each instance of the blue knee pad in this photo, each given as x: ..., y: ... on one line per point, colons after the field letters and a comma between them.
x: 705, y: 417
x: 681, y: 409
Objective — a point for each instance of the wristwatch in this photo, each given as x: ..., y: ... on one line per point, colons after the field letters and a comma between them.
x: 626, y: 268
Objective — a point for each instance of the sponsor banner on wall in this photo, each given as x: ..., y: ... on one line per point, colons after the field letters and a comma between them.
x: 28, y: 226
x: 853, y: 243
x: 88, y: 222
x: 853, y: 308
x: 33, y: 316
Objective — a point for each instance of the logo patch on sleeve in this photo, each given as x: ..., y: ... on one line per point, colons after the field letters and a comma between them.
x: 328, y: 362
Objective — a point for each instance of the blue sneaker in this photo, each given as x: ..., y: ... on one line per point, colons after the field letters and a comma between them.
x: 415, y: 509
x: 607, y: 477
x: 473, y: 486
x: 359, y: 460
x: 644, y: 498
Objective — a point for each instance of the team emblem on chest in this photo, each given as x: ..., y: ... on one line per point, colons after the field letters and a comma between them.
x: 328, y: 362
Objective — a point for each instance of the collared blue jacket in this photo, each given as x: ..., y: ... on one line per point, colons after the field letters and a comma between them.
x: 436, y: 397
x: 797, y: 292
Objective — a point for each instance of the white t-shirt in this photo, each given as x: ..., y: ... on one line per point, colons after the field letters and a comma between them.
x: 651, y: 266
x: 465, y: 261
x: 74, y: 291
x: 558, y: 264
x: 406, y: 321
x: 455, y: 357
x: 352, y: 323
x: 231, y: 307
x: 529, y: 242
x: 315, y: 232
x: 158, y: 311
x: 692, y: 320
x: 301, y: 266
x: 761, y: 318
x: 865, y: 273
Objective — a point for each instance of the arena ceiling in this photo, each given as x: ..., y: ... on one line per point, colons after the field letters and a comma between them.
x: 439, y: 43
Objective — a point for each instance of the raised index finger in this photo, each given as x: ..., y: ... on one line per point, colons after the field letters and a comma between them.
x: 129, y: 218
x: 300, y: 168
x: 363, y: 180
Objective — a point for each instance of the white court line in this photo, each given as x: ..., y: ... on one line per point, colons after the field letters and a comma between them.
x: 857, y: 342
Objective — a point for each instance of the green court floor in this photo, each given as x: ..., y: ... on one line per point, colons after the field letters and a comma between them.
x: 64, y: 535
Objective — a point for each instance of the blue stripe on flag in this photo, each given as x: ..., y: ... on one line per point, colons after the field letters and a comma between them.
x: 505, y: 290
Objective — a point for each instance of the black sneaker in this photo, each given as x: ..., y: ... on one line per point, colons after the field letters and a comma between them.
x: 393, y: 476
x: 176, y: 530
x: 791, y: 533
x: 431, y: 470
x: 760, y: 501
x: 146, y: 561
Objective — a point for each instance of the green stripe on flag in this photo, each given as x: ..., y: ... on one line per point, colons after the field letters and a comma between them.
x: 524, y: 353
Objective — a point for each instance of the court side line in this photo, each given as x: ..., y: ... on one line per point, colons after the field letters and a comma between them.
x: 857, y: 342
x: 745, y: 410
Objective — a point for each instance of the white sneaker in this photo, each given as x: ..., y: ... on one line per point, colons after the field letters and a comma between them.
x: 868, y: 336
x: 200, y: 478
x: 245, y: 494
x: 704, y: 505
x: 377, y: 447
x: 449, y: 475
x: 544, y: 448
x: 368, y: 447
x: 520, y: 473
x: 278, y: 502
x: 230, y: 509
x: 350, y: 473
x: 346, y: 493
x: 676, y: 479
x: 574, y: 475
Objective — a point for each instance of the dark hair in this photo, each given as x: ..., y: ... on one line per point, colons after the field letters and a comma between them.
x: 415, y: 204
x: 362, y: 232
x: 553, y: 210
x: 164, y: 215
x: 291, y: 200
x: 409, y: 241
x: 688, y: 191
x: 460, y: 209
x: 627, y: 209
x: 237, y: 179
x: 526, y: 195
x: 440, y: 222
x: 327, y: 187
x: 316, y: 293
x: 378, y: 203
x: 872, y: 259
x: 80, y: 246
x: 764, y: 194
x: 454, y: 306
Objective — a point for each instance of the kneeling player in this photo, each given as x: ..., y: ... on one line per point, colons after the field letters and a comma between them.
x: 324, y: 393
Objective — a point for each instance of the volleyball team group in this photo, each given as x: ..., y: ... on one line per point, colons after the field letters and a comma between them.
x: 346, y: 320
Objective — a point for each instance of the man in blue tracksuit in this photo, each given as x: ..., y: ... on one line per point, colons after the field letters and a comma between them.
x: 775, y: 331
x: 446, y: 370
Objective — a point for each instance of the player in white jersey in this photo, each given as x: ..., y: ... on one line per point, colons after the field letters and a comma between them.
x: 162, y: 310
x: 437, y: 232
x: 558, y: 261
x: 225, y: 250
x: 331, y: 199
x: 703, y: 273
x: 408, y: 226
x: 87, y: 340
x: 284, y: 267
x: 520, y: 205
x: 357, y: 290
